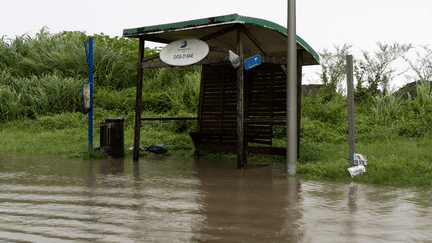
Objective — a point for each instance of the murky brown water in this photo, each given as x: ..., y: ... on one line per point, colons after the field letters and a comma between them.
x: 166, y: 199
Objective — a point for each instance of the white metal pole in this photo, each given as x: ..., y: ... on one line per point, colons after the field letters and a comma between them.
x: 291, y: 90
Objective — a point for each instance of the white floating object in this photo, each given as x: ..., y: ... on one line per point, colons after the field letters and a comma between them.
x: 356, y: 170
x: 184, y: 52
x: 234, y: 59
x: 360, y: 159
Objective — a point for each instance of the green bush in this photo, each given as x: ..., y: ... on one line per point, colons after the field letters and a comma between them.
x: 317, y: 107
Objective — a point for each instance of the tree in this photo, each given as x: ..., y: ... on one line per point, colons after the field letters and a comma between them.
x: 333, y: 66
x: 376, y: 70
x: 423, y: 65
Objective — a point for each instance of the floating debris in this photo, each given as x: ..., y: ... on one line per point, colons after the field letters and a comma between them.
x: 156, y: 148
x: 356, y: 170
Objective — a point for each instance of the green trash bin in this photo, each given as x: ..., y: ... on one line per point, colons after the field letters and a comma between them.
x: 112, y: 137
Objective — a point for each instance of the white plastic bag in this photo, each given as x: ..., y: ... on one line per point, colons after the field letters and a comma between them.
x: 356, y: 170
x: 234, y: 59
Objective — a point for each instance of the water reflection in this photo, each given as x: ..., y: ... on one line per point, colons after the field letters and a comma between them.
x: 166, y: 199
x: 247, y: 205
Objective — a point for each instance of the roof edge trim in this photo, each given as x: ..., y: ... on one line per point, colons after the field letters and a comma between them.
x: 136, y: 32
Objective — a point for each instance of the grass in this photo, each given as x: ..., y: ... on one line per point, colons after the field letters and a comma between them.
x: 66, y: 134
x: 398, y: 161
x: 392, y: 161
x: 33, y: 96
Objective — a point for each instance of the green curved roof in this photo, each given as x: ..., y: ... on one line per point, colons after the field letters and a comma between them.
x: 271, y: 36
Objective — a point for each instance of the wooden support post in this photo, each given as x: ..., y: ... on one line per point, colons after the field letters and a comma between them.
x: 351, y: 115
x: 241, y: 148
x: 299, y: 96
x: 138, y: 100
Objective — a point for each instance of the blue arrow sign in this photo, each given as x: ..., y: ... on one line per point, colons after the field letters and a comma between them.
x: 252, y: 62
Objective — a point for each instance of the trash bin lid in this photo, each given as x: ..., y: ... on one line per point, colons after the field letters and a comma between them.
x: 114, y: 120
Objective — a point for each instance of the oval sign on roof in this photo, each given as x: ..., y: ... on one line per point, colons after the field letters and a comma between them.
x: 184, y: 52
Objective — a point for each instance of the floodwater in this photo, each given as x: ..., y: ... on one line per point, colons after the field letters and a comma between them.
x: 171, y: 199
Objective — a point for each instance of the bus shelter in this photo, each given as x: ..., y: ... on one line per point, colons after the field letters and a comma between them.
x: 238, y: 106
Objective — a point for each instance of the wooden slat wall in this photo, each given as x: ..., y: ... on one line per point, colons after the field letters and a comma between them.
x: 218, y: 104
x: 265, y: 96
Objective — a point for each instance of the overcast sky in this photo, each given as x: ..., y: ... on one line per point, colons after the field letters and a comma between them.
x: 321, y: 23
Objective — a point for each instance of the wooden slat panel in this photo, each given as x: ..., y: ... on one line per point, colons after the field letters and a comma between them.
x: 209, y: 102
x: 219, y: 87
x: 210, y: 122
x: 257, y: 130
x: 260, y: 136
x: 256, y: 85
x: 229, y: 117
x: 250, y: 149
x: 260, y: 114
x: 211, y: 116
x: 228, y: 127
x: 262, y: 95
x: 219, y: 96
x: 259, y: 141
x: 219, y: 108
x: 258, y: 126
x: 261, y: 109
x: 211, y: 112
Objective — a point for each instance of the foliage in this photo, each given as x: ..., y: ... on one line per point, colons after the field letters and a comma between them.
x: 333, y: 67
x: 184, y: 94
x: 33, y: 96
x: 322, y: 115
x: 422, y: 66
x: 114, y: 59
x: 386, y: 108
x: 376, y: 70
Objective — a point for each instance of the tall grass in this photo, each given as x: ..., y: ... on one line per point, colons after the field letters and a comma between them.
x: 36, y: 96
x: 184, y: 96
x: 386, y: 107
x: 114, y: 61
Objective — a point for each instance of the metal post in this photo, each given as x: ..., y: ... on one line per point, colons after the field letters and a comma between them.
x: 291, y: 90
x: 351, y: 115
x: 89, y: 59
x: 138, y: 100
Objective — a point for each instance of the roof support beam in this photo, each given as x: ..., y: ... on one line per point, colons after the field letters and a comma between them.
x: 207, y: 60
x: 156, y: 39
x: 150, y: 58
x: 217, y: 49
x: 253, y: 39
x: 219, y: 33
x: 274, y: 60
